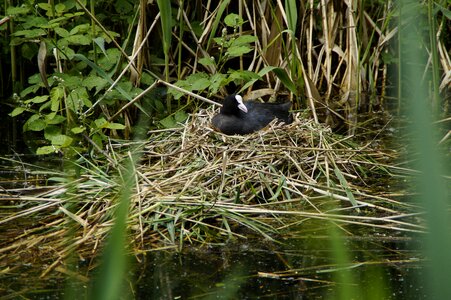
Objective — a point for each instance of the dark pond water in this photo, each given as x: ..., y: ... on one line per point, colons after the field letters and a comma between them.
x: 300, y: 269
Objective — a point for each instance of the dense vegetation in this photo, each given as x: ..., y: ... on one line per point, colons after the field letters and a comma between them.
x: 78, y: 78
x: 73, y: 68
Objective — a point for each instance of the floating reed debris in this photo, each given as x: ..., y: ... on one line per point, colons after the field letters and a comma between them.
x: 195, y: 185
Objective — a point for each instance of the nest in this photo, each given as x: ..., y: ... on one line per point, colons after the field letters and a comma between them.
x: 192, y: 175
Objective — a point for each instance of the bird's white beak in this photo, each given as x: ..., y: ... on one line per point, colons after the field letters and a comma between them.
x: 241, y: 105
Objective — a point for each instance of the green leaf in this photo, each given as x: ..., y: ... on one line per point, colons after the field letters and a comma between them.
x: 446, y: 12
x: 101, y: 123
x: 216, y: 82
x: 45, y: 6
x: 62, y: 32
x: 62, y: 140
x: 79, y: 39
x: 168, y: 122
x: 60, y: 8
x: 207, y: 61
x: 200, y: 85
x: 292, y: 14
x: 29, y: 50
x: 17, y: 10
x: 32, y: 33
x: 77, y: 130
x: 56, y: 94
x: 260, y: 74
x: 103, y: 74
x: 244, y: 40
x: 100, y: 41
x: 32, y: 89
x: 37, y: 99
x: 180, y: 116
x: 17, y: 111
x: 83, y: 28
x: 116, y: 126
x: 222, y: 7
x: 233, y: 20
x: 51, y: 131
x: 47, y: 150
x: 36, y: 125
x: 242, y: 75
x: 283, y: 76
x: 235, y: 51
x: 94, y: 81
x: 54, y: 119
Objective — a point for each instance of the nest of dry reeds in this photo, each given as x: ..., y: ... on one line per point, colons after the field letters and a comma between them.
x: 194, y: 180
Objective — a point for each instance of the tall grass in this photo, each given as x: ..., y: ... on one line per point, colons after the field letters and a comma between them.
x: 419, y: 86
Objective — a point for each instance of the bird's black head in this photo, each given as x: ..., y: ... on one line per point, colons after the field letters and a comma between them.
x: 232, y: 105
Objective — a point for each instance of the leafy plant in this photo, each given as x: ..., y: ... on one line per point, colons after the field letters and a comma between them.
x: 229, y: 47
x: 59, y: 105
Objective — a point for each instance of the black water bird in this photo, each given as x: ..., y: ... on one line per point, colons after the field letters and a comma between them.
x: 238, y: 117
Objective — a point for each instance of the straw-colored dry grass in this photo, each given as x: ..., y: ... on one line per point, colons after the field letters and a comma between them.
x: 195, y: 185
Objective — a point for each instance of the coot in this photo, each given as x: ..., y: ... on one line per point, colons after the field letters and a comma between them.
x: 238, y: 117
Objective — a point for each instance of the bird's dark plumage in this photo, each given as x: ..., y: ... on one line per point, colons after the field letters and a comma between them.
x: 238, y: 117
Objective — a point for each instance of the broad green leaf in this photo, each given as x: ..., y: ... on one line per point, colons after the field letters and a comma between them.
x: 242, y: 75
x: 292, y: 14
x: 37, y: 99
x: 200, y: 85
x: 235, y: 51
x: 83, y: 28
x: 47, y: 150
x: 62, y: 32
x: 79, y: 39
x: 79, y: 98
x: 168, y: 122
x: 100, y: 41
x: 244, y: 40
x: 32, y: 33
x: 51, y: 131
x: 207, y: 61
x: 32, y: 89
x: 44, y: 6
x: 35, y: 125
x: 283, y: 76
x: 17, y: 111
x: 62, y: 140
x: 233, y: 20
x: 17, y: 10
x: 77, y: 130
x: 29, y: 50
x: 116, y: 126
x: 56, y: 119
x: 216, y: 82
x: 180, y: 116
x: 94, y: 81
x: 55, y: 104
x: 260, y: 74
x: 60, y: 8
x: 101, y: 123
x: 56, y: 94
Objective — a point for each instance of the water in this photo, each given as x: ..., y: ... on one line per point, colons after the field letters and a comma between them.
x: 299, y: 269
